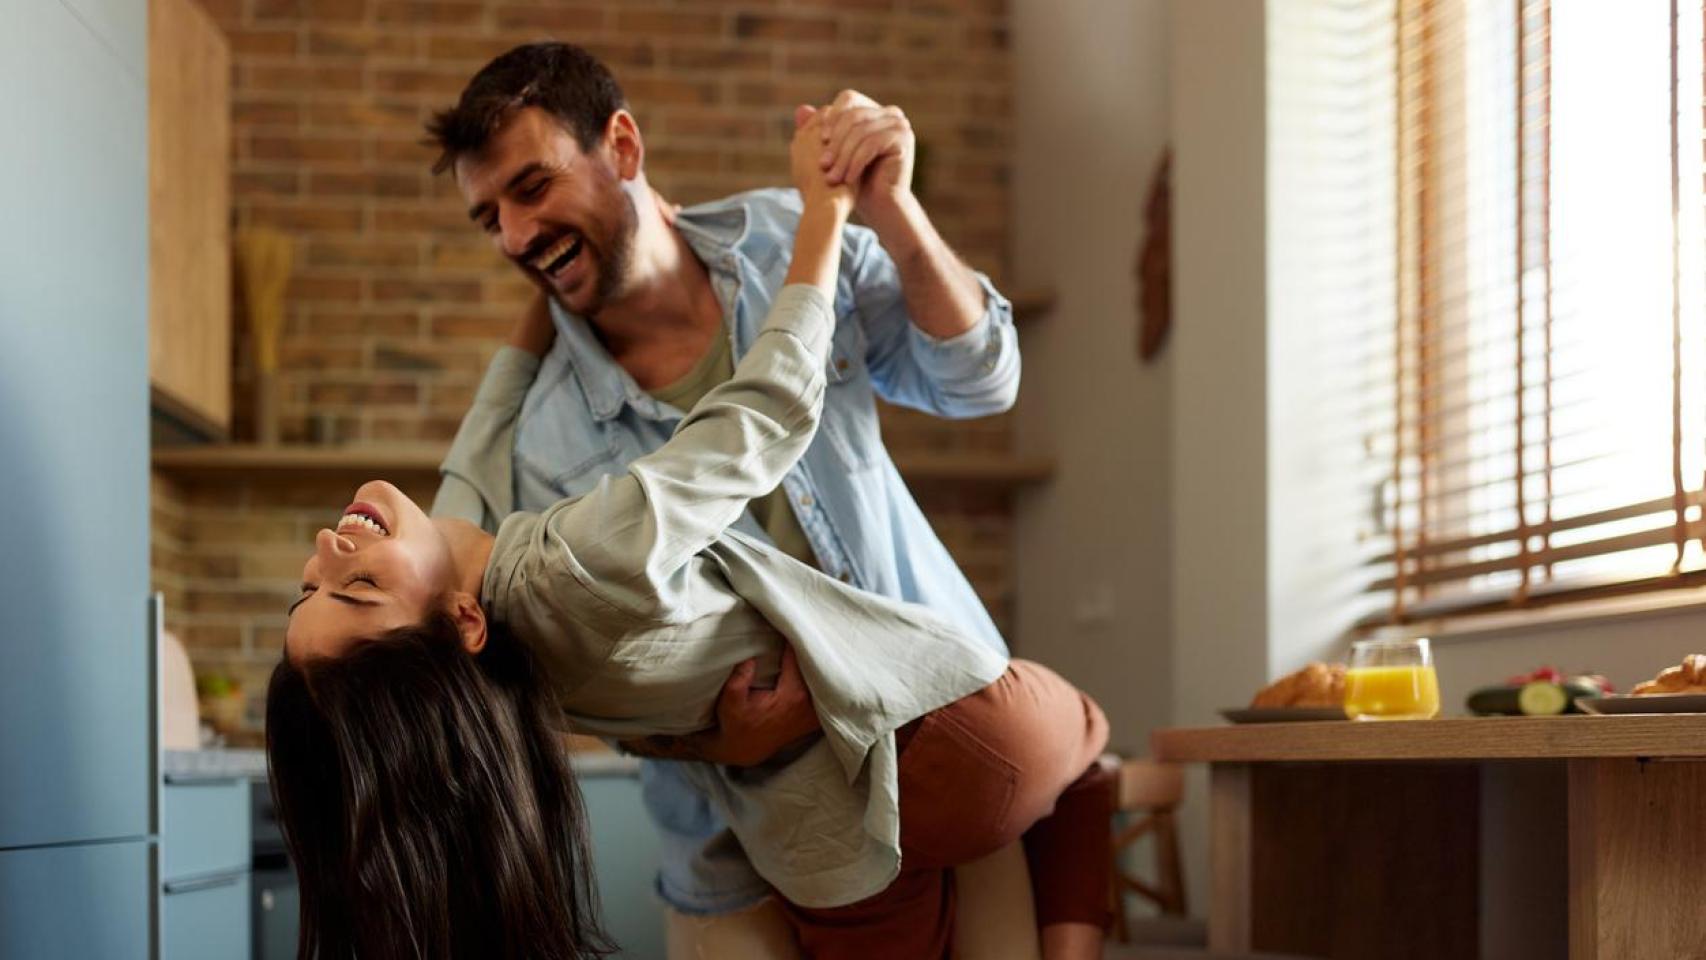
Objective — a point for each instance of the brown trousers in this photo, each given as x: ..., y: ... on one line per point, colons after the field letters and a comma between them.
x: 1017, y: 758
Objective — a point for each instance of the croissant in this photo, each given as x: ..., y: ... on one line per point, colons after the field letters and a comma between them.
x: 1316, y: 685
x: 1687, y: 677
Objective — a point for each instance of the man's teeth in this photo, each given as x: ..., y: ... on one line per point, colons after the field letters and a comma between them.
x: 555, y: 252
x: 360, y: 520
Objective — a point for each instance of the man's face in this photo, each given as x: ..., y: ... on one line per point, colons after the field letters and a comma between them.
x: 558, y: 214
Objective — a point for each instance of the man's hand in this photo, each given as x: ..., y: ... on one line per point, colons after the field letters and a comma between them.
x: 870, y: 146
x: 753, y: 723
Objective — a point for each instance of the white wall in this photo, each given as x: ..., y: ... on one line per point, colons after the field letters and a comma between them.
x: 1219, y: 419
x: 1094, y: 563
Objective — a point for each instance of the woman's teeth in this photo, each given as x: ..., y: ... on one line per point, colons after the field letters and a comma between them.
x: 360, y: 520
x: 558, y: 255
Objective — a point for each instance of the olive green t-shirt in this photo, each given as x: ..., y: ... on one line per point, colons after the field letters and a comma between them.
x: 772, y: 511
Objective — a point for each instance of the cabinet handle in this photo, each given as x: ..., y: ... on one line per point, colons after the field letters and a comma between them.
x: 202, y: 883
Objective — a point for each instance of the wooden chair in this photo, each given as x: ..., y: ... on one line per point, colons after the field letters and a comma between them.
x: 1150, y: 792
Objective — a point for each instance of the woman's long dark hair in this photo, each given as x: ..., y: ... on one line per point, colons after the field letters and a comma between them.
x: 428, y: 804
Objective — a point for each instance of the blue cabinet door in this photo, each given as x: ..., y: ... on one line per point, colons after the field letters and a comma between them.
x: 206, y: 918
x: 89, y: 900
x: 75, y: 685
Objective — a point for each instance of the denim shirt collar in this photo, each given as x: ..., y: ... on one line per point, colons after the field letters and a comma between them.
x: 715, y: 232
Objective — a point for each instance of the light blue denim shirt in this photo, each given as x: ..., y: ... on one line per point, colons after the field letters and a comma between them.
x: 585, y: 418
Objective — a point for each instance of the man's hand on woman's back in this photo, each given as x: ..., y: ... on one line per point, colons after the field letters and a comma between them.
x: 754, y: 722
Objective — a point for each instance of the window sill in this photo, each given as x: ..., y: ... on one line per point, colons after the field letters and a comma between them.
x: 1477, y: 626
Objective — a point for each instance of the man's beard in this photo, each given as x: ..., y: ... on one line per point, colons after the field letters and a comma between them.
x: 615, y: 257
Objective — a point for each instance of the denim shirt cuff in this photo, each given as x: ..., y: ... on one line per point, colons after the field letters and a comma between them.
x: 968, y: 355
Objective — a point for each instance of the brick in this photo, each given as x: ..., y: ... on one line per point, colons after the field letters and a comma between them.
x: 278, y: 42
x: 571, y: 21
x: 723, y: 58
x: 662, y: 90
x: 473, y: 253
x: 318, y: 355
x: 842, y: 64
x: 249, y: 184
x: 317, y: 217
x: 455, y: 291
x: 365, y: 184
x: 623, y: 56
x: 399, y: 151
x: 669, y: 23
x: 461, y: 46
x: 249, y: 114
x: 441, y: 84
x: 367, y: 391
x: 428, y: 13
x: 438, y: 218
x: 351, y: 11
x: 363, y: 114
x: 340, y: 322
x: 329, y: 252
x: 508, y: 288
x: 324, y: 41
x: 487, y: 326
x: 767, y: 26
x: 339, y: 289
x: 321, y: 148
x: 424, y: 358
x: 298, y: 79
x: 773, y: 163
x: 720, y: 125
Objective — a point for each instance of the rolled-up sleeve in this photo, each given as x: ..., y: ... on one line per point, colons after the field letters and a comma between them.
x: 973, y: 374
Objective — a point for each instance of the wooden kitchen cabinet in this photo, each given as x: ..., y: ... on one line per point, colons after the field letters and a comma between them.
x: 189, y: 197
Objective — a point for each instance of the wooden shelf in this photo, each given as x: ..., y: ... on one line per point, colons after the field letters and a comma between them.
x: 1031, y: 304
x: 419, y: 462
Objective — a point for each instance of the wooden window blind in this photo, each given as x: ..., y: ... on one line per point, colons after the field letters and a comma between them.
x: 1546, y: 438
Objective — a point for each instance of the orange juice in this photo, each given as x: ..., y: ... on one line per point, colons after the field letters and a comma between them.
x: 1408, y: 692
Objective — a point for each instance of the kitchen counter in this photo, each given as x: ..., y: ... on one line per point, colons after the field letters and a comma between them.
x: 190, y: 766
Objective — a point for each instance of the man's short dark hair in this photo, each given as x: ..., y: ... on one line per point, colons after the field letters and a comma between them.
x: 559, y: 78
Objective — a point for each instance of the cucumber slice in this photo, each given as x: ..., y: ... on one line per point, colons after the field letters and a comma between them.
x: 1541, y: 699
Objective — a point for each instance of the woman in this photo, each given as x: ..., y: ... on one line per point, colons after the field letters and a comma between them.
x: 408, y: 722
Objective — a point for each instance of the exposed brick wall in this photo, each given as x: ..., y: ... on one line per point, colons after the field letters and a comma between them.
x: 396, y: 302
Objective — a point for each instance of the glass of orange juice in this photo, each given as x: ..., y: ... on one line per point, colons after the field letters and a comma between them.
x: 1391, y: 680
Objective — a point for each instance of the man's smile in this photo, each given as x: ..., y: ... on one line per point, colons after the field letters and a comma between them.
x: 555, y: 259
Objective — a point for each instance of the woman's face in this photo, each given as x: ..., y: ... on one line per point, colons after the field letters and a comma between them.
x: 381, y: 566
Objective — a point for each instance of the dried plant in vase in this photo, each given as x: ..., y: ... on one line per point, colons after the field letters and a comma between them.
x: 263, y: 267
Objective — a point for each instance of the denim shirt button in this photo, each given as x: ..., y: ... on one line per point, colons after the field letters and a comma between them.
x: 806, y: 500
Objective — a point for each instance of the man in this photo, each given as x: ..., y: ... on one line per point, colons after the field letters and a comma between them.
x: 649, y: 309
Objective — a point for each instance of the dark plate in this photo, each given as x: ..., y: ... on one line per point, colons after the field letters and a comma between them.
x: 1646, y: 703
x: 1282, y: 714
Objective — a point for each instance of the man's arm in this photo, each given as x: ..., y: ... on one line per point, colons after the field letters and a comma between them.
x: 753, y: 723
x: 873, y: 148
x: 941, y: 338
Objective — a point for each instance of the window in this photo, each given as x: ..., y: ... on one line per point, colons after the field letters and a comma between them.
x: 1545, y: 432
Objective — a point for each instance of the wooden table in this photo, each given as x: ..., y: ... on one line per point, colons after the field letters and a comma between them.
x: 1504, y: 838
